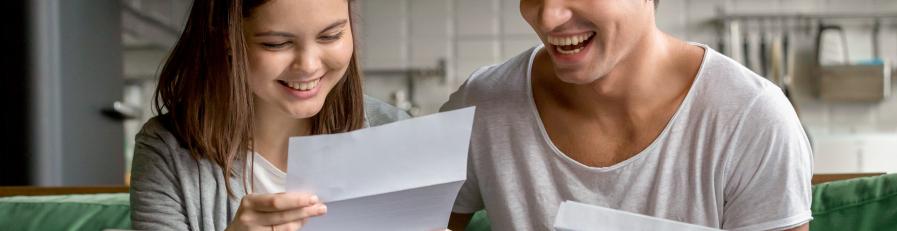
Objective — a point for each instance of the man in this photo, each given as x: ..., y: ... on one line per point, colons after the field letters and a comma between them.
x: 613, y: 112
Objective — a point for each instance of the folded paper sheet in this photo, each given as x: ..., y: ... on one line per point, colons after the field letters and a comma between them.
x: 574, y: 216
x: 399, y: 176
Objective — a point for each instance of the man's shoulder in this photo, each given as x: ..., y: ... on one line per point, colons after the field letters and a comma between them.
x: 492, y: 82
x: 514, y: 71
x: 378, y: 112
x: 724, y: 82
x: 734, y: 93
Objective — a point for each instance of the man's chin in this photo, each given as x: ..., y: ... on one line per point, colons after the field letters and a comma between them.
x: 576, y: 78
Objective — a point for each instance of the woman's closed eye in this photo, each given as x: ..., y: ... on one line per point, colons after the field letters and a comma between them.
x: 332, y: 37
x: 276, y: 45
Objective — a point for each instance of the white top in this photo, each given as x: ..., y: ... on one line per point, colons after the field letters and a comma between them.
x: 733, y: 156
x: 267, y: 177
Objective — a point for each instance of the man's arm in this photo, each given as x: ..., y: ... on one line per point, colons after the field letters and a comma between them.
x: 771, y: 156
x: 804, y: 227
x: 458, y: 221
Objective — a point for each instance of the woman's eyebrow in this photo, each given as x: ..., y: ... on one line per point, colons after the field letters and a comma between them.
x: 335, y: 25
x: 332, y: 26
x: 275, y: 33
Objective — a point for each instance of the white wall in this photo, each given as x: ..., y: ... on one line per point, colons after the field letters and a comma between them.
x: 848, y: 137
x: 417, y: 33
x: 399, y: 34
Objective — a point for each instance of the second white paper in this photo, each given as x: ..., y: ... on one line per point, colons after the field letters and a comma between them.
x: 399, y: 176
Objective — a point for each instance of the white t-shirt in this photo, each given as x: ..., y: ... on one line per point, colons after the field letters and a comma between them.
x: 267, y: 177
x: 733, y: 156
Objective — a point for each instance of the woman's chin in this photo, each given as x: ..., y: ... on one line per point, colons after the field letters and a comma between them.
x: 303, y: 113
x: 302, y: 109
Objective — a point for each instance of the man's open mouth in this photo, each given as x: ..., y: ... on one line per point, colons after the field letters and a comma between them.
x: 569, y: 45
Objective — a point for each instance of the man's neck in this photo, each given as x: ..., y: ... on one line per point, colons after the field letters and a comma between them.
x: 617, y: 116
x: 272, y: 131
x: 644, y: 79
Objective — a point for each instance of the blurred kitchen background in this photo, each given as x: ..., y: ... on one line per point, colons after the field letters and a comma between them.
x: 80, y: 74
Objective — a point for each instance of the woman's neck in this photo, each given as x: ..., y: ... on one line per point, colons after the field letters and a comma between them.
x: 272, y: 130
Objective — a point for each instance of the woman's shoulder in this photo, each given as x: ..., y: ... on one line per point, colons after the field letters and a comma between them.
x: 378, y: 112
x: 156, y: 130
x: 156, y: 140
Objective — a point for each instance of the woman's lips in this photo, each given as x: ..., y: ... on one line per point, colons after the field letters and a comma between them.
x: 302, y: 90
x: 300, y: 86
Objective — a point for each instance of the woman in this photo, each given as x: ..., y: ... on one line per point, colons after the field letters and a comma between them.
x: 243, y: 77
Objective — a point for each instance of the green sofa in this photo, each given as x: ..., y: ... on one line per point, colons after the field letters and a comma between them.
x: 868, y: 203
x: 92, y: 212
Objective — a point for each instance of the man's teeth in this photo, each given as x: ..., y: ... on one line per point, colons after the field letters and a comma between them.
x: 569, y: 40
x: 303, y: 86
x: 573, y: 43
x: 574, y: 51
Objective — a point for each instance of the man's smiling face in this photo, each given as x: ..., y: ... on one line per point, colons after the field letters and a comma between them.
x: 586, y: 39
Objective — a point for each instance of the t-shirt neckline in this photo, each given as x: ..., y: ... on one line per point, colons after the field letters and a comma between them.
x: 663, y: 134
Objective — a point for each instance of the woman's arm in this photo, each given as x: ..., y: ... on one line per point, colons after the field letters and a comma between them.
x: 156, y: 198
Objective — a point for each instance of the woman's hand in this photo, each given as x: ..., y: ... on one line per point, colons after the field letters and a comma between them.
x: 281, y: 211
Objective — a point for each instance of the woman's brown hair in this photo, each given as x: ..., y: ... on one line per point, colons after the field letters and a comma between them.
x: 204, y: 87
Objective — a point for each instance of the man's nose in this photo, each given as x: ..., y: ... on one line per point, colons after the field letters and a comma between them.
x: 553, y: 14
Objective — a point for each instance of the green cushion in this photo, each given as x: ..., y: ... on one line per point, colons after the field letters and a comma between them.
x: 868, y: 203
x: 66, y: 212
x: 479, y: 222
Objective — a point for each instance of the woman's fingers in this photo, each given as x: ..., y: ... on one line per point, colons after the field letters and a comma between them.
x: 282, y: 211
x: 292, y: 226
x: 280, y: 201
x: 292, y: 216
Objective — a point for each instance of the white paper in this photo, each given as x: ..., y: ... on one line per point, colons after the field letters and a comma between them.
x: 574, y: 216
x: 399, y: 176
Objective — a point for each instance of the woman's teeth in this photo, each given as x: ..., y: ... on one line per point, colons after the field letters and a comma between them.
x: 303, y: 86
x: 571, y: 44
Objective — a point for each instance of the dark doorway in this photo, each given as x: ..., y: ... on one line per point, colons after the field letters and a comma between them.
x: 14, y: 90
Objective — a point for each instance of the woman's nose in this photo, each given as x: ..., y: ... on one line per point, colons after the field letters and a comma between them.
x: 307, y: 62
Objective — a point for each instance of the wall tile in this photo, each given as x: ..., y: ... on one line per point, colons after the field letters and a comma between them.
x: 887, y: 112
x: 430, y: 18
x: 477, y: 49
x: 671, y: 17
x: 476, y: 17
x: 836, y: 6
x: 835, y: 155
x: 512, y: 47
x: 753, y: 6
x: 701, y: 21
x: 852, y: 117
x: 786, y: 6
x: 511, y: 20
x: 384, y: 34
x: 426, y: 51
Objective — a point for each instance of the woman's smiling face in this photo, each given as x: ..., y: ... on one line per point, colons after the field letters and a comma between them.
x: 298, y: 50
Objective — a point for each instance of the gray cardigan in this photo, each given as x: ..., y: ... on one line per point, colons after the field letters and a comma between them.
x: 172, y: 191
